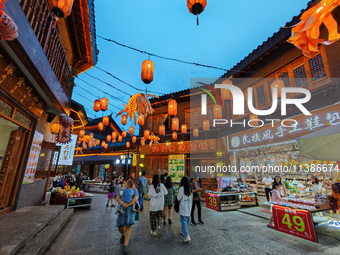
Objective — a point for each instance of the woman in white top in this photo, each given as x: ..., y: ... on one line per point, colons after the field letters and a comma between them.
x: 156, y: 193
x: 185, y: 197
x: 317, y: 187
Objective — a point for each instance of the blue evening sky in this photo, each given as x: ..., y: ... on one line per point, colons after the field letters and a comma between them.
x: 228, y: 31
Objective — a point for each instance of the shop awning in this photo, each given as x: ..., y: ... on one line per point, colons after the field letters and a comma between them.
x: 321, y: 145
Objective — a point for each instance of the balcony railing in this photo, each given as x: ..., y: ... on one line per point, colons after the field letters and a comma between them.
x: 43, y: 25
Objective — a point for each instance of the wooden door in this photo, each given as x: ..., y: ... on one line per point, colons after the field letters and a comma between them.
x: 9, y: 173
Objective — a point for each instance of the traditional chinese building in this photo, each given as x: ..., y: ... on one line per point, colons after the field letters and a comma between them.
x: 37, y: 66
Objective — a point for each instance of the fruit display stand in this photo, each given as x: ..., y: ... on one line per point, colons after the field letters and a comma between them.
x: 74, y: 202
x: 226, y: 201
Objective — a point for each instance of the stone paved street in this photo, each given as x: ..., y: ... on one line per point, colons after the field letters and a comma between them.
x: 93, y: 232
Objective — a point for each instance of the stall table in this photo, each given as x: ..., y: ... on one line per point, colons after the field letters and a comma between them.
x: 78, y: 201
x: 230, y: 201
x: 97, y: 187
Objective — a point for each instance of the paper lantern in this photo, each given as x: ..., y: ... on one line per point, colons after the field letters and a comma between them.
x: 253, y: 118
x: 103, y: 143
x: 161, y: 130
x: 61, y: 8
x: 124, y: 133
x: 127, y: 144
x: 195, y: 132
x: 114, y: 140
x: 141, y: 120
x: 55, y: 128
x: 100, y: 126
x: 134, y: 139
x: 104, y: 103
x: 124, y: 119
x: 96, y: 105
x: 184, y: 129
x: 131, y: 130
x: 142, y: 141
x: 120, y: 138
x: 172, y: 107
x: 279, y: 84
x: 196, y: 7
x: 175, y: 124
x: 97, y: 142
x: 108, y: 138
x: 147, y: 71
x: 174, y: 135
x: 8, y: 28
x: 217, y: 111
x: 146, y: 134
x: 114, y: 135
x: 206, y: 125
x: 81, y: 133
x: 106, y: 146
x: 91, y: 135
x: 106, y: 121
x: 226, y: 93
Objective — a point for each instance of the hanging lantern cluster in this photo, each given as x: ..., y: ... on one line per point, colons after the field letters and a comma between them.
x: 8, y: 28
x: 108, y: 138
x: 147, y: 71
x: 103, y: 143
x: 61, y: 8
x: 196, y: 7
x: 101, y: 105
x: 120, y: 138
x: 96, y: 105
x: 172, y: 107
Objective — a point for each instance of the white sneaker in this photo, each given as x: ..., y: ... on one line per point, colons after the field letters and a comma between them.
x: 188, y: 239
x: 154, y: 233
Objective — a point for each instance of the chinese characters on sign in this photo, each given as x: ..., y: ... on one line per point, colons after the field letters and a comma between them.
x: 67, y: 152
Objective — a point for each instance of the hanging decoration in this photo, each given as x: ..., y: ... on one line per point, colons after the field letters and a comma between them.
x: 253, y: 118
x: 103, y: 143
x: 106, y: 121
x: 120, y: 138
x: 206, y: 125
x: 96, y: 105
x: 81, y: 133
x: 87, y: 141
x: 153, y: 139
x: 174, y: 135
x: 128, y: 145
x: 172, y: 107
x: 55, y: 128
x: 114, y: 135
x: 147, y: 71
x: 175, y: 124
x: 124, y: 119
x: 138, y: 103
x: 2, y: 7
x: 279, y: 84
x: 100, y: 126
x: 195, y: 132
x: 184, y: 129
x: 108, y: 138
x: 106, y: 146
x: 146, y: 134
x: 161, y: 130
x: 104, y: 103
x: 131, y: 130
x: 226, y: 93
x: 61, y: 8
x: 305, y: 34
x: 114, y: 140
x: 91, y: 135
x: 134, y: 139
x: 65, y: 120
x: 217, y: 111
x: 8, y: 28
x: 141, y: 120
x: 124, y: 133
x: 196, y: 7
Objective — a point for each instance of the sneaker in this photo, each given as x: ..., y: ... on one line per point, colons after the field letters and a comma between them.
x: 270, y: 225
x: 188, y: 239
x: 107, y: 205
x: 164, y: 223
x: 193, y: 223
x: 200, y: 222
x: 112, y: 205
x: 125, y: 250
x: 141, y: 209
x: 154, y: 233
x: 169, y: 221
x: 122, y: 239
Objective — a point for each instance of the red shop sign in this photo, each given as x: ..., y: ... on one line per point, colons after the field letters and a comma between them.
x: 294, y: 222
x: 212, y: 201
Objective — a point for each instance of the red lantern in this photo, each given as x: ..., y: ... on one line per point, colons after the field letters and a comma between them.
x: 96, y: 105
x: 174, y: 135
x: 91, y: 135
x: 8, y: 29
x: 108, y: 138
x: 81, y: 133
x: 127, y: 144
x: 131, y: 130
x: 61, y: 9
x: 114, y: 140
x: 147, y: 71
x: 141, y: 120
x: 134, y: 139
x: 124, y: 133
x: 195, y: 132
x: 114, y: 135
x: 100, y: 126
x: 279, y: 84
x: 196, y: 7
x: 106, y: 121
x: 253, y: 120
x: 106, y: 146
x: 217, y: 111
x: 97, y: 141
x: 206, y: 125
x: 103, y: 143
x: 55, y: 128
x: 184, y: 129
x: 104, y: 103
x: 146, y: 134
x: 124, y: 119
x: 161, y: 130
x: 120, y: 138
x: 226, y: 93
x: 172, y: 107
x: 175, y: 124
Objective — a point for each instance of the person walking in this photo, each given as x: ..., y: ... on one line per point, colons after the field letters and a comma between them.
x: 142, y: 186
x: 169, y: 199
x: 276, y: 197
x: 196, y: 188
x: 185, y: 198
x: 268, y: 182
x: 156, y: 193
x: 111, y: 192
x: 125, y: 221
